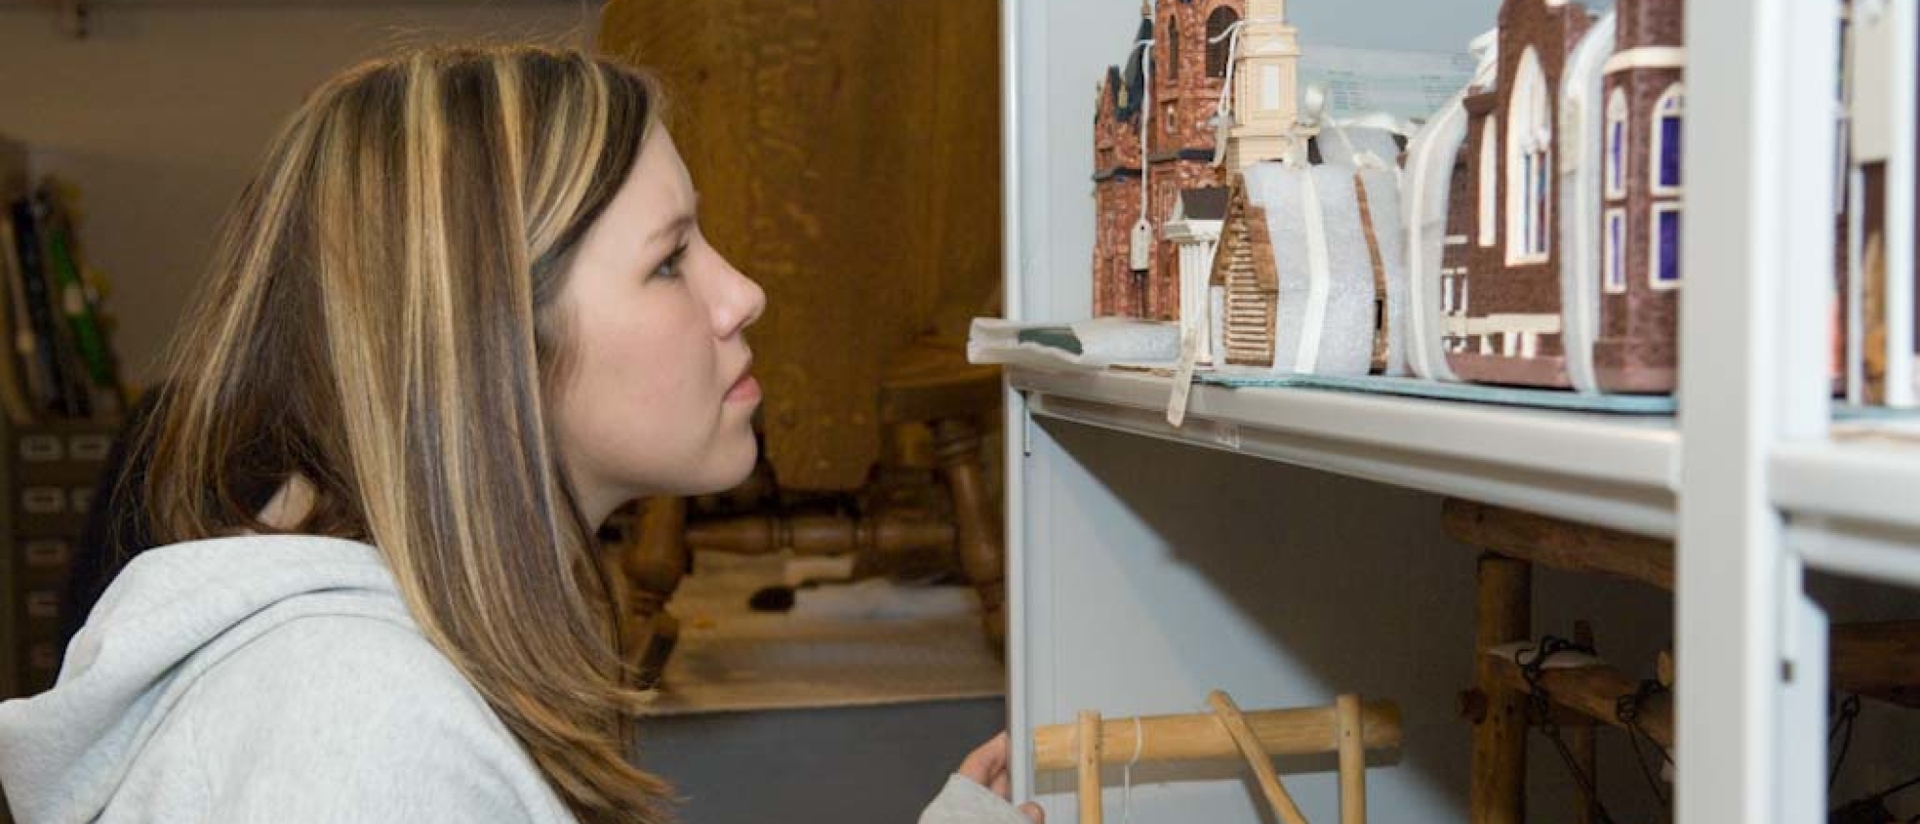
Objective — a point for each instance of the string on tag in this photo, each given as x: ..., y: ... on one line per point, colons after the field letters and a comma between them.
x: 1126, y: 773
x: 1223, y: 112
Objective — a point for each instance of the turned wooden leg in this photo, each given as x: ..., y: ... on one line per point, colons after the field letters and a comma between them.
x: 982, y: 554
x: 1498, y: 794
x: 653, y: 566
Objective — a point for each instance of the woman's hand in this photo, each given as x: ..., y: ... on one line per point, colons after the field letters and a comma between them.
x: 987, y: 766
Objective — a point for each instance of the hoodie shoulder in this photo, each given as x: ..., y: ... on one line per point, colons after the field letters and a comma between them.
x: 355, y: 718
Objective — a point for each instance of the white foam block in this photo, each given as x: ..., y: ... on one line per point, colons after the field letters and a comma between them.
x: 1344, y: 343
x: 1430, y: 158
x: 1364, y: 140
x: 1383, y: 203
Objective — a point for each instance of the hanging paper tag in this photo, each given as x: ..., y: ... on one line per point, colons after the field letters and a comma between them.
x: 1183, y: 377
x: 1222, y: 131
x: 1142, y: 245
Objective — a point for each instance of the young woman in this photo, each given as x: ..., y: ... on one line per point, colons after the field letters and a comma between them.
x: 464, y: 311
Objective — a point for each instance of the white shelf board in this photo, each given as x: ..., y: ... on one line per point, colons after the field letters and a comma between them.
x: 1851, y: 506
x: 1616, y: 471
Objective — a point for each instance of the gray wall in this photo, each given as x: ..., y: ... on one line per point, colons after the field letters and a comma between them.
x: 161, y: 115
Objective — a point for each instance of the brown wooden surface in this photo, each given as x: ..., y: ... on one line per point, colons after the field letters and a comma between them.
x: 1198, y: 737
x: 1559, y: 544
x: 1879, y: 660
x: 1499, y: 777
x: 847, y: 155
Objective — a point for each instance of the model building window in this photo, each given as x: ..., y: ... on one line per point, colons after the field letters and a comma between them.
x: 1617, y: 144
x: 1166, y: 119
x: 1666, y: 140
x: 1615, y: 251
x: 1529, y: 160
x: 1489, y: 155
x: 1173, y: 50
x: 1218, y: 23
x: 1665, y: 265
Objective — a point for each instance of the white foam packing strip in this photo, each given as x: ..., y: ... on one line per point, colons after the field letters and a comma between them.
x: 1582, y: 113
x: 1383, y: 204
x: 1359, y: 140
x: 1326, y: 327
x: 1430, y: 157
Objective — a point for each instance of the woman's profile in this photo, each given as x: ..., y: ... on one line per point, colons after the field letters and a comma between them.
x: 462, y: 313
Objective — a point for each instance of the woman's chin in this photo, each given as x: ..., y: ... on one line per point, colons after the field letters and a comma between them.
x: 727, y: 471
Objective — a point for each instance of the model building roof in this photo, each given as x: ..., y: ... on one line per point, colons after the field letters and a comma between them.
x: 1205, y: 203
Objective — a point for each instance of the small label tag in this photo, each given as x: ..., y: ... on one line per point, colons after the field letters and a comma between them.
x: 1222, y: 136
x: 1183, y: 378
x: 1142, y: 247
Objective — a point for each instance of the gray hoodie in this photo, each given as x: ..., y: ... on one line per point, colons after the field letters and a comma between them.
x: 279, y: 679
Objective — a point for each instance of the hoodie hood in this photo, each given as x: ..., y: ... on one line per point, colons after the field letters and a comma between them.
x: 174, y: 612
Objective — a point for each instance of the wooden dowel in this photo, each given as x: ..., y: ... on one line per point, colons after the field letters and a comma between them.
x: 1301, y: 731
x: 1353, y: 760
x: 1594, y: 692
x: 1559, y: 544
x: 1089, y: 747
x: 1257, y: 758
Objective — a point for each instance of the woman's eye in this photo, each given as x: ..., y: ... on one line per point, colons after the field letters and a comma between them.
x: 670, y: 268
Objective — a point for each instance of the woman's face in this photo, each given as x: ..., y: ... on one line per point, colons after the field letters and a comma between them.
x: 658, y: 399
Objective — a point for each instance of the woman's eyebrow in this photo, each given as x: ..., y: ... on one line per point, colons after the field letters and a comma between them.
x: 678, y: 225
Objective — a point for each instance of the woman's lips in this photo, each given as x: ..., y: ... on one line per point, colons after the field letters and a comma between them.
x: 745, y: 390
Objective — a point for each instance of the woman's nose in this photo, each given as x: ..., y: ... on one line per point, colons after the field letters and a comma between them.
x: 742, y: 301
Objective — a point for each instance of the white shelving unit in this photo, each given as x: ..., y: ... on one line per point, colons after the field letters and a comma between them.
x: 1611, y: 470
x: 1852, y: 507
x: 1107, y: 613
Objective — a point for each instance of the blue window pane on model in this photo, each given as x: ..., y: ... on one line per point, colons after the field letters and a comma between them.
x: 1615, y: 143
x: 1670, y: 150
x: 1526, y: 204
x: 1540, y: 205
x: 1669, y: 229
x: 1616, y: 257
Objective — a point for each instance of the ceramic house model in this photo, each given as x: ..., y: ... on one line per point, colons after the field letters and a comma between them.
x: 1558, y: 262
x: 1880, y: 297
x: 1644, y: 102
x: 1156, y: 119
x: 1509, y: 292
x: 1306, y: 268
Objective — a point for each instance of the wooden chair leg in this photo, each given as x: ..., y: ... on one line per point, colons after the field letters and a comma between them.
x: 1498, y: 794
x: 983, y: 555
x: 653, y: 566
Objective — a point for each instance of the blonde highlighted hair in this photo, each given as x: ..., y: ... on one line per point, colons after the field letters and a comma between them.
x: 381, y: 321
